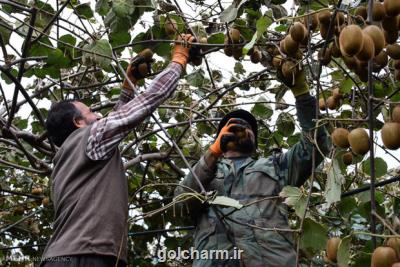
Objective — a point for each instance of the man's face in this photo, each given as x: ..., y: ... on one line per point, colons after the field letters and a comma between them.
x: 88, y: 117
x: 243, y: 140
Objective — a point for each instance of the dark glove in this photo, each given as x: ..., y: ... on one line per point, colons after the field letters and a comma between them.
x: 139, y: 68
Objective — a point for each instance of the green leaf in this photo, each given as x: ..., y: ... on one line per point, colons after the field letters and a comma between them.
x: 217, y: 38
x: 346, y: 85
x: 5, y: 30
x: 278, y: 11
x: 226, y: 201
x: 102, y: 7
x: 103, y: 54
x: 334, y: 183
x: 196, y: 78
x: 294, y: 198
x: 262, y: 110
x: 285, y: 124
x: 229, y: 14
x: 84, y: 11
x: 239, y: 68
x: 123, y: 8
x: 314, y: 235
x: 346, y: 206
x: 343, y: 254
x: 57, y: 59
x: 380, y: 167
x: 262, y: 25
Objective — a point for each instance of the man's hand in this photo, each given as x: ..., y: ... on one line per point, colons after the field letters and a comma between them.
x: 180, y: 53
x: 138, y: 68
x: 225, y: 132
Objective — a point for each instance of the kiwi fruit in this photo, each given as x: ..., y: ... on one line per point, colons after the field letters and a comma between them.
x: 335, y: 51
x: 313, y: 21
x: 394, y: 243
x: 332, y: 103
x: 289, y: 69
x: 326, y: 57
x: 340, y: 137
x: 323, y: 30
x: 350, y: 62
x: 362, y: 70
x: 256, y: 56
x: 237, y: 53
x: 393, y: 51
x: 298, y: 32
x: 290, y: 45
x: 380, y: 61
x: 368, y: 50
x: 390, y: 134
x: 324, y: 17
x: 19, y: 210
x: 228, y: 50
x: 396, y: 114
x: 299, y: 54
x: 377, y: 37
x: 340, y: 18
x: 347, y: 158
x: 45, y: 201
x: 234, y: 35
x: 36, y: 191
x: 336, y: 93
x: 359, y: 141
x: 383, y: 257
x: 351, y: 40
x: 361, y: 11
x: 397, y: 75
x: 277, y: 61
x: 378, y: 11
x: 203, y: 40
x: 332, y: 246
x: 143, y: 69
x: 170, y: 26
x: 147, y: 54
x: 392, y: 7
x: 391, y: 36
x: 396, y: 64
x: 390, y: 23
x: 322, y: 104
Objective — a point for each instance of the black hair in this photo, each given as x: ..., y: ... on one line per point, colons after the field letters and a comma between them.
x: 60, y: 121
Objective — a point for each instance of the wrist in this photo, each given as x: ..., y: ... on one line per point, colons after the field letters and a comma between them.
x: 215, y: 151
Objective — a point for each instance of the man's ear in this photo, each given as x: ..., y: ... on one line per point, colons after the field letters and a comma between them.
x: 79, y: 122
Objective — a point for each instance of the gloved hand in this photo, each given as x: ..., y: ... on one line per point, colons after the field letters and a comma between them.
x: 300, y: 85
x: 138, y: 68
x: 225, y: 132
x: 180, y: 53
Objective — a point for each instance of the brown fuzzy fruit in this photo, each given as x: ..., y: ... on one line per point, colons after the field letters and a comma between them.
x: 290, y: 45
x: 340, y: 18
x: 393, y: 51
x: 170, y: 26
x: 340, y: 137
x: 390, y: 134
x: 298, y: 32
x: 19, y: 210
x: 147, y: 54
x: 313, y: 19
x: 324, y: 17
x: 396, y: 114
x: 380, y: 61
x: 391, y: 36
x: 234, y: 35
x: 383, y: 257
x: 336, y: 93
x: 37, y: 191
x: 351, y: 40
x: 322, y: 104
x: 361, y: 11
x: 359, y: 141
x: 368, y: 50
x: 255, y: 57
x: 335, y: 51
x: 347, y: 158
x: 332, y: 103
x: 396, y: 64
x: 326, y: 57
x: 350, y: 62
x: 394, y: 243
x: 323, y: 30
x: 45, y: 201
x: 377, y: 36
x: 143, y: 69
x: 289, y: 69
x: 392, y: 7
x: 332, y: 246
x: 237, y: 53
x: 378, y: 11
x: 277, y: 61
x: 397, y: 75
x: 390, y: 23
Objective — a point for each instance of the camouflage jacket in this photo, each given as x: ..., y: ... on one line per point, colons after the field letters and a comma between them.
x: 256, y: 185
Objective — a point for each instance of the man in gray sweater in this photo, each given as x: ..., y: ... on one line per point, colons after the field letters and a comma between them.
x: 89, y: 188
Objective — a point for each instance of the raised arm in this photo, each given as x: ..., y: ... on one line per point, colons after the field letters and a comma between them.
x: 107, y: 133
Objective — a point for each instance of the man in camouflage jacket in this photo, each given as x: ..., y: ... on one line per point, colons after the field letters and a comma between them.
x: 255, y: 182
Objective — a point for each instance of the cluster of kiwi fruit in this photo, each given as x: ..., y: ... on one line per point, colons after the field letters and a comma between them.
x: 333, y: 101
x: 356, y: 139
x: 232, y: 43
x: 387, y: 256
x: 390, y: 131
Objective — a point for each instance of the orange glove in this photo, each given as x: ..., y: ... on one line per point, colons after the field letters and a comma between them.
x: 180, y: 53
x: 215, y: 148
x: 138, y: 68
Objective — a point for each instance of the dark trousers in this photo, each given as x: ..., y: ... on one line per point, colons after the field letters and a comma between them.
x: 83, y: 261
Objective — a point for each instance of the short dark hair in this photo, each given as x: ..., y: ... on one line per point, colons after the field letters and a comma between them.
x: 60, y: 121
